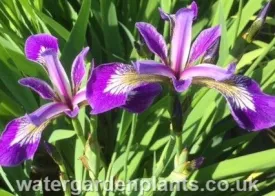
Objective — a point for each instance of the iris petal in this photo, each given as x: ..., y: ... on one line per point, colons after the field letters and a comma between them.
x: 37, y: 44
x: 21, y: 136
x: 78, y: 69
x: 208, y: 71
x: 57, y: 75
x: 110, y: 86
x: 154, y: 68
x: 140, y: 98
x: 203, y: 42
x: 181, y: 39
x: 39, y: 86
x: 153, y: 39
x: 251, y: 108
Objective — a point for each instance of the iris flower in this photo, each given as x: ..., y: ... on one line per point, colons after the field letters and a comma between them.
x: 21, y: 136
x: 134, y: 87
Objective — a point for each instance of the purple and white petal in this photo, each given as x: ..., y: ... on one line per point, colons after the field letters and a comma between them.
x: 21, y: 137
x: 154, y: 68
x: 251, y: 108
x: 203, y: 42
x: 110, y: 84
x: 140, y: 98
x: 208, y: 71
x: 37, y: 44
x: 181, y: 39
x: 39, y: 86
x: 78, y: 69
x: 154, y: 40
x: 57, y: 75
x: 47, y: 112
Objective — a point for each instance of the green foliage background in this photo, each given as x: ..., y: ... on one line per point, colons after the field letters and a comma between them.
x: 108, y: 28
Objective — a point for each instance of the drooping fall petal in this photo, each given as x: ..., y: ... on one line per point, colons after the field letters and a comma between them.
x: 154, y: 68
x: 208, y: 71
x: 21, y: 137
x: 251, y: 108
x: 140, y: 98
x: 114, y: 85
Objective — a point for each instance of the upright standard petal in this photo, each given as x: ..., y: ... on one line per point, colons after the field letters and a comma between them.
x: 39, y: 86
x: 203, y: 42
x: 251, y: 108
x: 57, y: 75
x: 154, y: 40
x: 37, y: 44
x: 78, y: 69
x: 181, y: 39
x: 193, y: 6
x: 21, y: 137
x: 110, y: 84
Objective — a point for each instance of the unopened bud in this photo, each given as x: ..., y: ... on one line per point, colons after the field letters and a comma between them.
x: 53, y: 152
x: 257, y: 24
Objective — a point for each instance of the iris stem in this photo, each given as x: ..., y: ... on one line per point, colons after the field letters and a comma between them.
x: 78, y: 129
x: 65, y: 178
x: 114, y: 156
x: 179, y: 143
x: 131, y: 138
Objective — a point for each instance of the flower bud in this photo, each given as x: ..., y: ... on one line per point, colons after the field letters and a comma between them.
x: 257, y: 24
x: 53, y: 152
x: 185, y: 169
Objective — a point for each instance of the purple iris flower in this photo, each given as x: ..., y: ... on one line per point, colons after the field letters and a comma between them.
x: 21, y: 136
x: 134, y: 87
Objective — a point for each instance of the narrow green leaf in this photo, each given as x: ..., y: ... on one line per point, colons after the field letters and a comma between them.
x: 77, y: 36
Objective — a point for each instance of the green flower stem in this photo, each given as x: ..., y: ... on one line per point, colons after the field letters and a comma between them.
x: 131, y: 138
x: 78, y: 129
x: 178, y: 143
x: 65, y: 178
x: 114, y: 156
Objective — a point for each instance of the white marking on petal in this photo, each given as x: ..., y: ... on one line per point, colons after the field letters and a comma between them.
x: 241, y: 98
x: 234, y: 89
x: 122, y: 81
x: 27, y: 133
